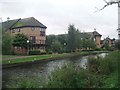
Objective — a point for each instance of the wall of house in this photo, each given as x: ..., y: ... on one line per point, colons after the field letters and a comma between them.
x: 19, y: 50
x: 31, y: 32
x: 97, y: 40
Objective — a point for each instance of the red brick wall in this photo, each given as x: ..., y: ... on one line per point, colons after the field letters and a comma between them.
x: 19, y: 50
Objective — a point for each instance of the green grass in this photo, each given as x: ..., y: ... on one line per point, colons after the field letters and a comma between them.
x: 34, y: 58
x: 111, y: 81
x: 41, y: 57
x: 8, y: 56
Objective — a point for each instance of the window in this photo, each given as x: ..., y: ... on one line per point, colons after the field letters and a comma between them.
x: 42, y: 41
x: 13, y: 31
x: 18, y: 30
x: 42, y: 32
x: 32, y: 28
x: 33, y: 39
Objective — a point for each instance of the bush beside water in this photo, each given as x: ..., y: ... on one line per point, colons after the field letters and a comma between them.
x: 101, y: 73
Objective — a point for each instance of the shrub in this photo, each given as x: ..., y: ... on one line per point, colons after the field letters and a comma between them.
x: 49, y: 52
x: 34, y: 52
x: 67, y: 77
x: 94, y: 64
x: 98, y: 49
x: 105, y: 65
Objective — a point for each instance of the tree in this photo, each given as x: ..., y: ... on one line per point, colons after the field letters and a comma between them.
x: 56, y: 46
x: 78, y: 39
x: 49, y: 40
x: 71, y: 38
x: 106, y: 45
x: 6, y: 43
x: 108, y: 3
x: 117, y: 44
x: 20, y: 40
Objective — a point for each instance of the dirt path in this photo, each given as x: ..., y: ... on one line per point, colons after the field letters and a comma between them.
x: 13, y: 58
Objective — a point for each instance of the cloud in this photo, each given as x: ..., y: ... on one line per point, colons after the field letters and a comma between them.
x: 58, y: 14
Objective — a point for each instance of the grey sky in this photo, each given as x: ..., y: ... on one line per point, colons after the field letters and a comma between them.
x: 58, y: 14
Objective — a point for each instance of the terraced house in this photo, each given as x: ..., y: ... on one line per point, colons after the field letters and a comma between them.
x: 30, y: 27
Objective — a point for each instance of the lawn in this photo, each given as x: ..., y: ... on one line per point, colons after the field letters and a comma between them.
x: 10, y: 59
x: 31, y: 58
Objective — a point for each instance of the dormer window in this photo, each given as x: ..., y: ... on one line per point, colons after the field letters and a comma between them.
x: 18, y: 30
x: 32, y: 28
x: 13, y: 31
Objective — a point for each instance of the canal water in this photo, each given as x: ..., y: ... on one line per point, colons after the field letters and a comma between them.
x: 43, y: 69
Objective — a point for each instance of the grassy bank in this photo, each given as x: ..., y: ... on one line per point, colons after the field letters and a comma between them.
x: 101, y: 73
x: 14, y: 59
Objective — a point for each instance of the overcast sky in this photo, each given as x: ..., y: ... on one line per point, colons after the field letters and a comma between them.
x: 58, y: 14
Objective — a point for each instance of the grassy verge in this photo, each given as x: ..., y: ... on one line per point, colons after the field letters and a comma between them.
x: 43, y: 57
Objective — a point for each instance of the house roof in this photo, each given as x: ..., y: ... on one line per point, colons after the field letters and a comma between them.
x: 26, y: 22
x: 86, y: 35
x: 95, y: 33
x: 8, y: 24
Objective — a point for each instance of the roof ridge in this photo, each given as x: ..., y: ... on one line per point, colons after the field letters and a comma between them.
x: 15, y: 22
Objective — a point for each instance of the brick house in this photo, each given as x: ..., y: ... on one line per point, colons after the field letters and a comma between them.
x: 110, y: 42
x: 32, y: 28
x: 93, y: 36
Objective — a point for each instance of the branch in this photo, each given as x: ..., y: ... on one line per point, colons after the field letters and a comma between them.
x: 108, y: 4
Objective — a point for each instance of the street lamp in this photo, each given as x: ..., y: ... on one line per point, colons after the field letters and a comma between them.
x: 28, y: 47
x: 64, y: 46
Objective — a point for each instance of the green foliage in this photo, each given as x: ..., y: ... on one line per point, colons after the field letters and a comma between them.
x: 49, y: 51
x: 20, y: 40
x: 117, y: 44
x: 88, y: 43
x: 73, y: 39
x: 105, y: 65
x: 67, y: 77
x: 24, y: 82
x: 6, y: 43
x: 56, y: 47
x: 34, y: 52
x: 101, y: 73
x: 57, y: 39
x: 98, y: 49
x: 70, y: 76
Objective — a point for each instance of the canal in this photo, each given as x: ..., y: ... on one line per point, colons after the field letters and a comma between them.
x: 40, y: 71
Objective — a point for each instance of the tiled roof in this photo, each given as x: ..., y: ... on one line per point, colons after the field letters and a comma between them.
x: 26, y: 22
x: 95, y: 33
x: 8, y: 24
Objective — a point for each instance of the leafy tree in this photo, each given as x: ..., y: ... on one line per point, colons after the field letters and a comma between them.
x: 71, y: 39
x: 49, y: 40
x: 20, y: 40
x: 106, y: 45
x: 117, y: 44
x: 62, y: 38
x: 56, y: 46
x: 6, y: 43
x: 78, y: 40
x: 91, y: 44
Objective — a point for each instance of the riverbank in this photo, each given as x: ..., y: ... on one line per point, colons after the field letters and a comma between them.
x: 101, y: 72
x: 42, y: 58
